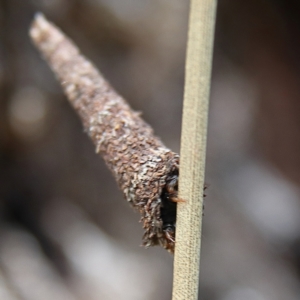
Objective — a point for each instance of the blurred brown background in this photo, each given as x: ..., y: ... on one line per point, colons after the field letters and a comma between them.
x: 65, y: 230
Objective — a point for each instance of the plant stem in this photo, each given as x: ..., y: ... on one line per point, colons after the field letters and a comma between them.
x: 193, y: 149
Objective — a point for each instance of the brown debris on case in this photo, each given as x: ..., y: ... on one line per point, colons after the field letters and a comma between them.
x: 139, y: 161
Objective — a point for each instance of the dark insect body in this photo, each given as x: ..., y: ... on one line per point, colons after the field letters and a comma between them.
x: 168, y: 208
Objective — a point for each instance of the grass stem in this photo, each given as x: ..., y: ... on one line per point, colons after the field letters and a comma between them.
x: 193, y: 149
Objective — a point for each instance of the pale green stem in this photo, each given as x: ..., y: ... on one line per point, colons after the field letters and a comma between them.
x: 193, y: 149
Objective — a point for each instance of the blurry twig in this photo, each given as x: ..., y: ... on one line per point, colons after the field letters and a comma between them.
x: 144, y: 168
x: 193, y: 149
